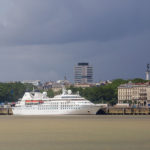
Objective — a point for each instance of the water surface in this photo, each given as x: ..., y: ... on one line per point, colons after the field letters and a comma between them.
x: 75, y: 132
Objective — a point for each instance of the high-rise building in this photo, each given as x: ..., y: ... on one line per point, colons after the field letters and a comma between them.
x: 83, y: 73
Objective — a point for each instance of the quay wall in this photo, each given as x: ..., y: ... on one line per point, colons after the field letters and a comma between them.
x: 103, y: 111
x: 6, y: 111
x: 124, y: 111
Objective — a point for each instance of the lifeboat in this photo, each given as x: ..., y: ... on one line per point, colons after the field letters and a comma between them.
x: 34, y: 101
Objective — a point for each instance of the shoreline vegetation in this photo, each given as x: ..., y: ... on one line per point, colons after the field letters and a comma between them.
x: 11, y: 92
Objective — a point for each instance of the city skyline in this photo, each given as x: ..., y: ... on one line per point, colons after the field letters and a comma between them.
x: 44, y: 39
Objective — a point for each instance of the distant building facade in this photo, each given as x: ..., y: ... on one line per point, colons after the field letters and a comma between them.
x: 56, y: 86
x: 83, y: 73
x: 135, y: 93
x: 33, y: 82
x: 83, y: 85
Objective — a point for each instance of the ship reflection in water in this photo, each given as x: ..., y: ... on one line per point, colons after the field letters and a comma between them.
x: 90, y: 132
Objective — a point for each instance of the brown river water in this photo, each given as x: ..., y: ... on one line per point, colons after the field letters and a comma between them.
x: 93, y: 132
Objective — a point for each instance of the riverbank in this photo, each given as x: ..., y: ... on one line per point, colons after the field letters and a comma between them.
x: 124, y: 111
x: 104, y: 111
x: 6, y: 111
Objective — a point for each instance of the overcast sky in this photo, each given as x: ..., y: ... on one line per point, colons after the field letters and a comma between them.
x: 44, y: 39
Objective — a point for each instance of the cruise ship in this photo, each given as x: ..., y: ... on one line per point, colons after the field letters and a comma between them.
x: 36, y: 103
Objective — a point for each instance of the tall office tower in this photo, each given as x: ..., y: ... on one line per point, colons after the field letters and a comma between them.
x: 83, y: 73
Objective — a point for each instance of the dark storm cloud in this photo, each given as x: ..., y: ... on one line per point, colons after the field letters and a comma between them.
x: 53, y: 21
x: 45, y: 39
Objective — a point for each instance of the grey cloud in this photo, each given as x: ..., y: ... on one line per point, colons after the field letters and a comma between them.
x: 124, y: 58
x: 48, y: 22
x: 45, y: 39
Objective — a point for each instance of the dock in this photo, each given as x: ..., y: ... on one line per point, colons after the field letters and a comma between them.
x: 103, y: 111
x: 124, y: 111
x: 6, y: 111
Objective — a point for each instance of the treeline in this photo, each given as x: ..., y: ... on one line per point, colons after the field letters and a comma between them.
x: 11, y: 92
x: 105, y: 93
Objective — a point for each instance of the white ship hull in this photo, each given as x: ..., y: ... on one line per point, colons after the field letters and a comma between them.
x: 84, y: 110
x: 36, y: 103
